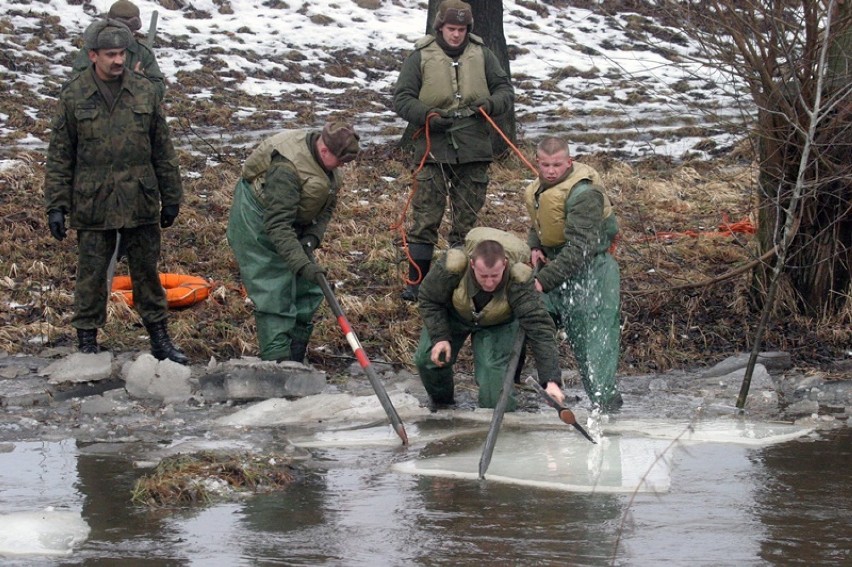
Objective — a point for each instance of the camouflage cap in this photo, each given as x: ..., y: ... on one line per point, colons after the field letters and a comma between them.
x: 454, y: 12
x: 342, y: 140
x: 127, y: 13
x: 107, y: 34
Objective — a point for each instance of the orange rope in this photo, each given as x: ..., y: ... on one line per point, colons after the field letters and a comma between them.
x: 726, y: 228
x: 506, y: 139
x: 399, y: 225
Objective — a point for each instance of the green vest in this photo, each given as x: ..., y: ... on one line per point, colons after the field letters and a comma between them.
x: 317, y: 183
x: 498, y: 310
x: 449, y: 86
x: 547, y: 208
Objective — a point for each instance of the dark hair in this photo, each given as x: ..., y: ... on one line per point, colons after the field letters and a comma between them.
x: 489, y: 251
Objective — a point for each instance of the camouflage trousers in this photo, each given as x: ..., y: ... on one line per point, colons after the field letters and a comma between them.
x: 463, y: 184
x: 95, y: 250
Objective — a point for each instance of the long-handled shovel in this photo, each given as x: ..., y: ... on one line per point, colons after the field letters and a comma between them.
x: 565, y: 414
x: 502, y: 402
x: 377, y: 385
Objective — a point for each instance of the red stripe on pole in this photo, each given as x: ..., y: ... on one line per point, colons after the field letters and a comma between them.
x: 362, y: 358
x: 344, y: 324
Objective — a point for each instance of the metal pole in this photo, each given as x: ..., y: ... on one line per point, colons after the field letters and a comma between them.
x: 500, y: 409
x: 355, y: 344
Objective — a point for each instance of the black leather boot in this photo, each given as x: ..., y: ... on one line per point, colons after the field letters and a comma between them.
x: 421, y: 254
x: 87, y: 341
x: 161, y: 344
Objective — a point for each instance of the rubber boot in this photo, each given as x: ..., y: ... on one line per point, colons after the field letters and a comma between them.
x: 87, y: 341
x: 421, y: 254
x: 298, y: 350
x: 161, y: 344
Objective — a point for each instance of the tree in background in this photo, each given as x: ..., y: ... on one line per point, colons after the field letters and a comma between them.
x: 793, y: 56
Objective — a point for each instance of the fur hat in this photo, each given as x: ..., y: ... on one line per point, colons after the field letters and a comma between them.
x: 342, y: 140
x: 127, y: 13
x: 107, y: 34
x: 454, y: 12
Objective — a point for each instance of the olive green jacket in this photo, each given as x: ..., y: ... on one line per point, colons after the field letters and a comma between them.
x: 435, y: 302
x: 110, y: 169
x: 296, y: 198
x: 137, y: 52
x: 589, y: 231
x: 469, y: 140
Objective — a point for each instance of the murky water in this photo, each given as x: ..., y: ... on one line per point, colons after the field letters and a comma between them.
x: 726, y: 504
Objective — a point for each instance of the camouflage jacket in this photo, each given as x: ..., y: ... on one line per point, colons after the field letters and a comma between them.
x: 435, y: 302
x: 110, y: 169
x: 137, y: 52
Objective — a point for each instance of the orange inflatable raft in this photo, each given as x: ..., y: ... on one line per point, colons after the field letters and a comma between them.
x: 181, y: 290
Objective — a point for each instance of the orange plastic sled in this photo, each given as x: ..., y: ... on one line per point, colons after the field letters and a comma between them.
x: 181, y: 290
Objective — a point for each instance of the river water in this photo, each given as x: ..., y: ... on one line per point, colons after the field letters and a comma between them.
x: 788, y: 503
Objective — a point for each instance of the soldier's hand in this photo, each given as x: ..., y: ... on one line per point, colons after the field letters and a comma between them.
x: 168, y: 214
x: 309, y: 243
x: 312, y: 272
x: 555, y: 392
x: 441, y: 353
x: 56, y: 224
x: 483, y: 103
x: 439, y: 123
x: 138, y: 67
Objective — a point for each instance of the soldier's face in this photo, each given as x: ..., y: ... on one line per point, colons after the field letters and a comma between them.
x: 488, y: 278
x: 453, y: 35
x: 109, y: 63
x: 553, y: 167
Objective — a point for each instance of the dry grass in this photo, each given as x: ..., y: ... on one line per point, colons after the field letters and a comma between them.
x: 203, y: 477
x: 662, y: 329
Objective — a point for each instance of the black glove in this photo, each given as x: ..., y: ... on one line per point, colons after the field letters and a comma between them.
x: 483, y: 103
x: 56, y: 223
x: 310, y: 243
x: 312, y: 272
x: 441, y: 122
x: 168, y: 214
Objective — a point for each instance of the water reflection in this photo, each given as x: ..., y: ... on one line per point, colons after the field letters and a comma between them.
x: 727, y: 504
x: 804, y: 498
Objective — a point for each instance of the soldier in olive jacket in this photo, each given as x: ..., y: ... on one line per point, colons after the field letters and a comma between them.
x: 448, y: 78
x: 480, y: 292
x: 139, y: 57
x: 282, y: 205
x: 573, y: 227
x: 111, y: 168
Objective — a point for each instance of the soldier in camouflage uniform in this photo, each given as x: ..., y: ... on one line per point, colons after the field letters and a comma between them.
x: 283, y: 203
x: 485, y: 292
x: 111, y: 168
x: 448, y: 78
x: 573, y: 227
x: 139, y: 57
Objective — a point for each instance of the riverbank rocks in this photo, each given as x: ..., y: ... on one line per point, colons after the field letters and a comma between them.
x: 247, y: 379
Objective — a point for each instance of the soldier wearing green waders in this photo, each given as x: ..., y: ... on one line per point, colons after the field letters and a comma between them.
x: 448, y: 78
x: 112, y: 170
x: 283, y: 203
x: 485, y: 291
x: 573, y: 228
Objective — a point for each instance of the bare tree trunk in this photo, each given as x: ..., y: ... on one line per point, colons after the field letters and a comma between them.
x: 820, y: 256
